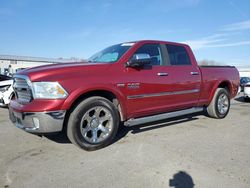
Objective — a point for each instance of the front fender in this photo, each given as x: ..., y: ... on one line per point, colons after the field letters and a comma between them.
x: 76, y: 94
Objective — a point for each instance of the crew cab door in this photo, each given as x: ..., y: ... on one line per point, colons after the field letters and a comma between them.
x: 185, y: 76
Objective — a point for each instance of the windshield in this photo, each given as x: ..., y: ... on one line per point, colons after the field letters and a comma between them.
x: 110, y: 54
x: 244, y: 80
x: 4, y: 78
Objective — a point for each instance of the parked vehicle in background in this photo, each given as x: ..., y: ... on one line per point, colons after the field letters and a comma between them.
x: 6, y: 90
x: 20, y: 69
x: 247, y: 92
x: 4, y: 77
x: 245, y: 87
x: 133, y: 83
x: 243, y: 82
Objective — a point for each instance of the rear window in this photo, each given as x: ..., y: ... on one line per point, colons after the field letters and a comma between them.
x: 178, y: 55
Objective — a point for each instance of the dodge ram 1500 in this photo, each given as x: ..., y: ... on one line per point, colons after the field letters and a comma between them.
x: 132, y: 83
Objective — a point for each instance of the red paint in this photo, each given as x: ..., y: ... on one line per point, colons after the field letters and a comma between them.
x: 80, y: 78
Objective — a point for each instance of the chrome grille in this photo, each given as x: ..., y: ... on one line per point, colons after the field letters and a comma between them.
x: 22, y: 90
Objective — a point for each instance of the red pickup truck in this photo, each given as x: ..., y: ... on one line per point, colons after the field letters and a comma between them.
x: 132, y: 83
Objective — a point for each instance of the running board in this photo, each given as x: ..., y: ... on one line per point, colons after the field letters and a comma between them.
x: 137, y: 121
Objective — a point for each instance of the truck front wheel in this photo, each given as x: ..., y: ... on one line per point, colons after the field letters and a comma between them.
x: 220, y: 104
x: 93, y: 124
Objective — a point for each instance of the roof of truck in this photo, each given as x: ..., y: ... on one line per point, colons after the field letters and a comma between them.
x: 157, y: 41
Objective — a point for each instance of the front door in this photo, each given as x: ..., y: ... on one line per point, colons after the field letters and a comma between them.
x: 148, y: 89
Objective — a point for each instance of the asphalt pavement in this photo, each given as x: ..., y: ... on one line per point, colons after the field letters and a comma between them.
x: 189, y: 151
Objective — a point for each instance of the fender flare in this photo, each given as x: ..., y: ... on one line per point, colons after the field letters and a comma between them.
x: 218, y: 83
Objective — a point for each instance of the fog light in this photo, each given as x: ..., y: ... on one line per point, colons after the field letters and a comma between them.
x: 36, y: 122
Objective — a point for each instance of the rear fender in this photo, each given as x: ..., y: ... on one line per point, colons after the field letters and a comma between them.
x: 217, y: 85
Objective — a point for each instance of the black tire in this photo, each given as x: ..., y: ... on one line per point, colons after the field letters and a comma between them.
x: 214, y: 109
x: 85, y: 118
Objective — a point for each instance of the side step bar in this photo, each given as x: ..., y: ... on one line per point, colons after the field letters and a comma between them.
x: 137, y: 121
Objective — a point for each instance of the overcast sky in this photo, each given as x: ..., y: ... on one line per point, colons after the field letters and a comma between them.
x: 216, y: 29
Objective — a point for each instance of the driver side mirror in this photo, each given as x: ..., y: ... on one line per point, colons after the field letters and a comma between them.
x: 139, y: 60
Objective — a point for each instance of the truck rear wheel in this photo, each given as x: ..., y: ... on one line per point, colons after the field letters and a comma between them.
x: 93, y: 124
x: 220, y: 104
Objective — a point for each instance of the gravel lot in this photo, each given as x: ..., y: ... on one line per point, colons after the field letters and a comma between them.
x: 191, y: 150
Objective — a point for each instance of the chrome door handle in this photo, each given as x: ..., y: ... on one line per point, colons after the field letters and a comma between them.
x: 162, y: 74
x: 194, y: 73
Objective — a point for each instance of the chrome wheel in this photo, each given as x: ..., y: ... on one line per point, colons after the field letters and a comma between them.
x: 96, y: 124
x: 223, y: 104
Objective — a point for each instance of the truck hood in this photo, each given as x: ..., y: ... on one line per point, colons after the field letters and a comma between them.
x: 59, y: 71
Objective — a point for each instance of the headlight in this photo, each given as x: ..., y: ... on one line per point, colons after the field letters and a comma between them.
x: 48, y: 90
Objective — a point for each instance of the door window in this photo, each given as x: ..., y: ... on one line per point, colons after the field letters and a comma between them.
x: 154, y: 51
x: 177, y: 55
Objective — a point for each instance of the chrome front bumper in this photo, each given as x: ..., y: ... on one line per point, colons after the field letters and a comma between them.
x: 38, y: 122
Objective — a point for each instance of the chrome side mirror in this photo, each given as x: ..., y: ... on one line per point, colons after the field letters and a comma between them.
x: 139, y: 60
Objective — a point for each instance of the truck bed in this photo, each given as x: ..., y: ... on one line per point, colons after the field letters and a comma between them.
x: 212, y: 75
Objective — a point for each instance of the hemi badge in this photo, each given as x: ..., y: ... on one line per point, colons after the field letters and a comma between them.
x: 120, y: 85
x: 133, y: 85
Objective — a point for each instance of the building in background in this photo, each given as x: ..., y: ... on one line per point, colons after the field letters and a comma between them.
x: 10, y: 64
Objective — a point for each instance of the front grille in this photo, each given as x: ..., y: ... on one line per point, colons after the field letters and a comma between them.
x: 22, y: 90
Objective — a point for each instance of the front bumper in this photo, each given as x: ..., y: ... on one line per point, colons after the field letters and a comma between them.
x: 38, y: 122
x: 247, y: 92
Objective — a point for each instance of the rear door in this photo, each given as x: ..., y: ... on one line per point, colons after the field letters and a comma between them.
x: 185, y: 76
